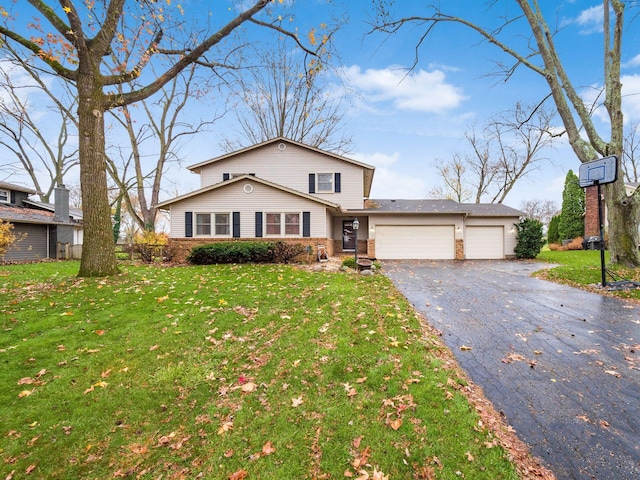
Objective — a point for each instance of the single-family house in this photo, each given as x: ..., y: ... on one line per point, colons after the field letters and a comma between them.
x: 42, y: 230
x: 284, y: 190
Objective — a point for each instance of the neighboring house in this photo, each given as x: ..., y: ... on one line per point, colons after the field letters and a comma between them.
x: 284, y: 190
x: 43, y: 230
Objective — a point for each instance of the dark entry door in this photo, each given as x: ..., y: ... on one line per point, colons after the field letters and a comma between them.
x: 348, y: 236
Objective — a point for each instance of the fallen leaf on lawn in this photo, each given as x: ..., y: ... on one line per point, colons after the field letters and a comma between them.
x: 226, y: 426
x: 362, y: 460
x: 296, y: 402
x: 41, y: 373
x: 378, y: 475
x: 65, y: 314
x: 25, y: 393
x: 352, y: 393
x: 356, y: 442
x: 228, y: 453
x: 100, y: 332
x: 267, y: 448
x: 469, y: 456
x: 363, y: 475
x: 395, y: 424
x: 106, y: 373
x: 155, y: 347
x: 26, y: 381
x: 361, y: 380
x: 30, y: 469
x: 239, y: 475
x: 249, y: 387
x: 348, y: 474
x: 464, y: 348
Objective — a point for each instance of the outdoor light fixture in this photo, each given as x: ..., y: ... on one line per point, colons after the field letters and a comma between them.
x: 356, y: 225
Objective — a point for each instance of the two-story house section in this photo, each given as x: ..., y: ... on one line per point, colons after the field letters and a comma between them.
x: 284, y: 190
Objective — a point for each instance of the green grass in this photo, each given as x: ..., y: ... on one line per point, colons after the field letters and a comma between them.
x: 582, y: 268
x: 211, y: 371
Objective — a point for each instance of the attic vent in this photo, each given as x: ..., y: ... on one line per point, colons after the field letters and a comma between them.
x: 282, y: 147
x: 248, y: 188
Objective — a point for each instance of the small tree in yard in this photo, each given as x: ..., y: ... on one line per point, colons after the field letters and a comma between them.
x: 571, y: 223
x: 530, y: 239
x: 6, y: 236
x: 553, y: 236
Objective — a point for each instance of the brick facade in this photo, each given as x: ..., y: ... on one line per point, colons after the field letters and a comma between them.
x: 459, y: 249
x: 591, y: 223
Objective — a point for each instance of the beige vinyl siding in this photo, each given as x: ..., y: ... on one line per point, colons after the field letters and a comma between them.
x: 291, y: 168
x: 233, y: 198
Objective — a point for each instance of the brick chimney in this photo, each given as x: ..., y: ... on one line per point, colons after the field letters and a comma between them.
x: 61, y: 206
x: 591, y: 223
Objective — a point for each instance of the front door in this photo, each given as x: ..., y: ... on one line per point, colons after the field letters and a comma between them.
x: 348, y: 236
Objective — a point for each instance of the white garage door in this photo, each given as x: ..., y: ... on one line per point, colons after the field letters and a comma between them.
x: 484, y: 242
x: 397, y: 242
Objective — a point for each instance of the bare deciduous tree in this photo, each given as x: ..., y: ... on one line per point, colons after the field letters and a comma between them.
x: 506, y: 150
x: 26, y: 106
x: 85, y: 43
x: 155, y: 135
x: 280, y: 98
x: 631, y: 153
x: 538, y: 209
x: 539, y: 54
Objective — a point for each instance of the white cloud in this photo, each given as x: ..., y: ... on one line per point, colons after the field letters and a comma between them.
x: 591, y: 19
x: 634, y: 62
x: 631, y: 97
x: 389, y: 183
x: 419, y: 91
x: 377, y: 159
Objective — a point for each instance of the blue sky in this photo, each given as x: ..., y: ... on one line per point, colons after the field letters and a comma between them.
x: 404, y: 122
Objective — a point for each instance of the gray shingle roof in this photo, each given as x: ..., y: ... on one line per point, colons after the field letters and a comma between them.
x: 444, y: 207
x: 17, y: 188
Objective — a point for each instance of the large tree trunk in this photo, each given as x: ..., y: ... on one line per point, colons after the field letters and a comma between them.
x: 622, y: 218
x: 98, y: 252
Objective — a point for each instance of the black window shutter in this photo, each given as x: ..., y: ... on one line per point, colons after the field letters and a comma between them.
x: 306, y: 224
x: 188, y: 224
x: 312, y: 183
x: 225, y: 177
x: 336, y: 184
x: 236, y: 224
x: 258, y: 224
x: 13, y: 197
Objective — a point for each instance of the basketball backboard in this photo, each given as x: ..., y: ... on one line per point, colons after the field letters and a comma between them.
x: 600, y: 171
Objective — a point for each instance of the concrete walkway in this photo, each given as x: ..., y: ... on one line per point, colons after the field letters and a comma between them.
x: 562, y: 365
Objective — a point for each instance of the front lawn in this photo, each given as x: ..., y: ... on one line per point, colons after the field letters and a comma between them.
x: 582, y: 268
x: 229, y: 372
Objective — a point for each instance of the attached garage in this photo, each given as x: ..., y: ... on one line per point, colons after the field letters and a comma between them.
x: 409, y: 242
x: 484, y: 242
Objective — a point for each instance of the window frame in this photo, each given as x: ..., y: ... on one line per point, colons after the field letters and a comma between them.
x: 215, y: 224
x: 283, y: 224
x: 332, y: 181
x: 197, y: 224
x: 7, y: 195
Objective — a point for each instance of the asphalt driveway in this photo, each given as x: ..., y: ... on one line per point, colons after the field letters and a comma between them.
x: 562, y: 365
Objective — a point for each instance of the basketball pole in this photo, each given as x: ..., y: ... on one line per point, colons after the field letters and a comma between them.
x: 601, y: 222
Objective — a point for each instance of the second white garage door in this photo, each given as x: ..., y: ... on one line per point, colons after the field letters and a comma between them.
x: 398, y: 242
x: 484, y: 243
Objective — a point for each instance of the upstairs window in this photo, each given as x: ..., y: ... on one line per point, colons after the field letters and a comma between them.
x: 325, y: 182
x: 4, y: 196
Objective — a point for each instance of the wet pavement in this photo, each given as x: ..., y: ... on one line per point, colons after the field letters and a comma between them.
x: 562, y: 364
